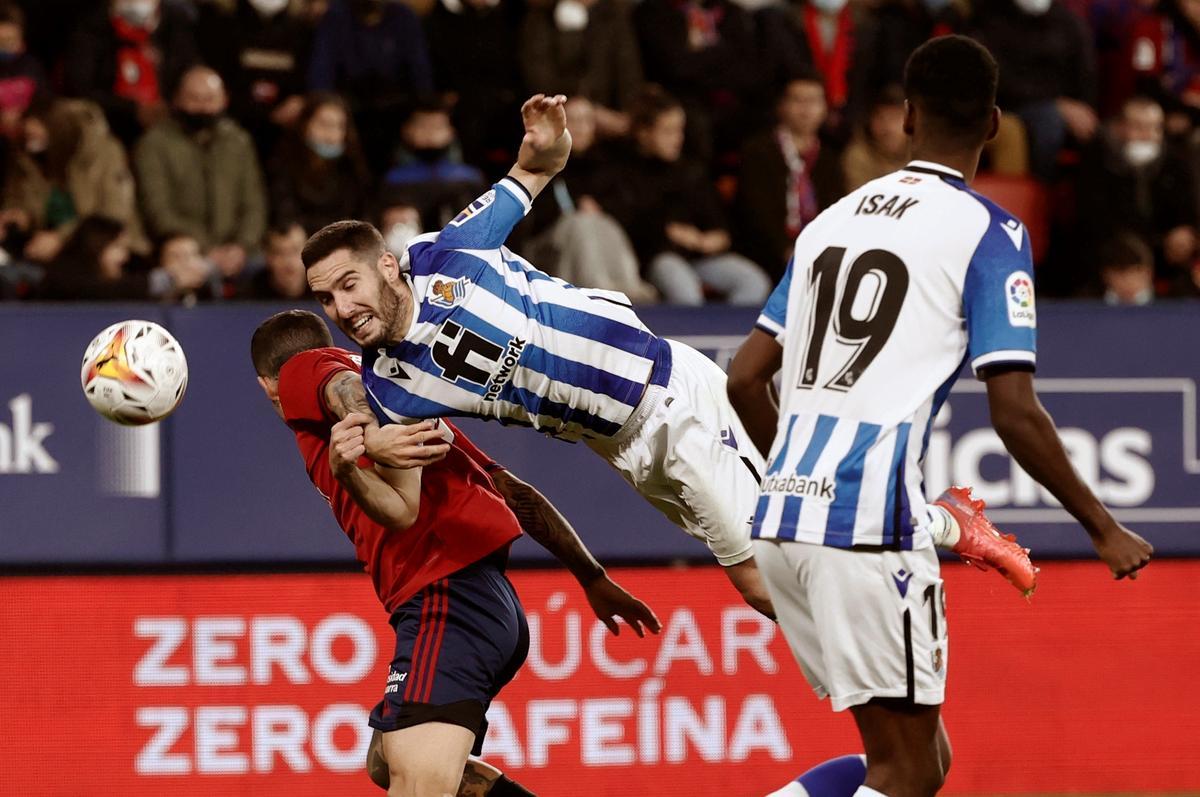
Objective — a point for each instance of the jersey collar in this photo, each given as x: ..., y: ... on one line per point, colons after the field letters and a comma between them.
x: 929, y: 167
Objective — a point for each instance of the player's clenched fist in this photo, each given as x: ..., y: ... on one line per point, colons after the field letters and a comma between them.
x: 347, y: 443
x: 406, y: 446
x: 1124, y: 552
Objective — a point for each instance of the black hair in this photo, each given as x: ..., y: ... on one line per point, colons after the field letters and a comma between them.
x: 1125, y: 250
x: 11, y: 14
x: 359, y: 237
x: 283, y: 336
x: 952, y: 81
x: 647, y: 107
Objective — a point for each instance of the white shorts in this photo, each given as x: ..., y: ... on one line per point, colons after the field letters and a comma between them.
x: 862, y: 624
x: 685, y: 450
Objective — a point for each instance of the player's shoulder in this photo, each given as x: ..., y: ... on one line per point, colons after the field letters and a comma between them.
x: 325, y: 358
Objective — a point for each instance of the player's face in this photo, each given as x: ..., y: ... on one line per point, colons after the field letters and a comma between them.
x: 367, y: 301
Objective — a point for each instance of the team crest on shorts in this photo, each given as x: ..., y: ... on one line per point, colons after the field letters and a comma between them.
x: 447, y: 293
x: 937, y: 660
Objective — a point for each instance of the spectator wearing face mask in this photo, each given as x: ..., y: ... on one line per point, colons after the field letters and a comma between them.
x: 1131, y: 181
x: 1164, y: 55
x: 788, y: 176
x: 199, y: 176
x: 429, y: 173
x: 399, y: 223
x: 127, y: 56
x: 261, y: 50
x: 22, y: 79
x: 584, y: 48
x: 1126, y: 271
x: 318, y: 174
x: 1047, y: 74
x: 282, y: 275
x: 888, y: 36
x: 68, y: 166
x: 373, y: 53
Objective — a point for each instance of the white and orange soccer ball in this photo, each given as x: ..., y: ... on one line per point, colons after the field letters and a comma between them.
x: 134, y: 373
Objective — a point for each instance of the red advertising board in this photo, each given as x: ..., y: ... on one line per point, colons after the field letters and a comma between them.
x: 260, y: 685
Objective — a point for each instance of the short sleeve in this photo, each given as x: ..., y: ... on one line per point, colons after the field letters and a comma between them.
x: 773, y: 318
x: 302, y: 381
x: 998, y: 297
x: 487, y: 222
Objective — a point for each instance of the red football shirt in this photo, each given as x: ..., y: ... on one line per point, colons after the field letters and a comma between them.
x: 462, y: 517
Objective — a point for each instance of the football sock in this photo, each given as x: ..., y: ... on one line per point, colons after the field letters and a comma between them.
x: 838, y: 777
x: 942, y: 526
x: 503, y: 786
x: 867, y: 791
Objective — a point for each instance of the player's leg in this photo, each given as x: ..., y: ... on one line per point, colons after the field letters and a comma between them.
x: 837, y: 777
x: 427, y: 760
x: 482, y: 778
x: 904, y: 744
x: 377, y: 768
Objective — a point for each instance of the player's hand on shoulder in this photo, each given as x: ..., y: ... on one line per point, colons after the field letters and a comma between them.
x: 406, y: 445
x: 346, y: 443
x: 610, y: 601
x: 547, y: 142
x: 1123, y: 551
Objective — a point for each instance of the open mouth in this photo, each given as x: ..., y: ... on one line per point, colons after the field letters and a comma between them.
x: 358, y: 324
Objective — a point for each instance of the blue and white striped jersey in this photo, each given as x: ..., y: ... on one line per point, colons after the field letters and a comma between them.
x: 492, y: 337
x: 888, y: 293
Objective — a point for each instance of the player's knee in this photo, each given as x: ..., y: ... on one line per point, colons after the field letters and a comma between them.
x: 914, y: 778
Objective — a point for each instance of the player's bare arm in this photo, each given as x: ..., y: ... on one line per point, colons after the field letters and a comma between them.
x: 390, y: 496
x: 546, y: 145
x: 547, y: 526
x: 1030, y: 436
x: 394, y: 445
x: 750, y: 387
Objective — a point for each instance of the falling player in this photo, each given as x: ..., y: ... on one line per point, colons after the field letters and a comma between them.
x: 889, y: 292
x: 462, y: 326
x: 434, y: 537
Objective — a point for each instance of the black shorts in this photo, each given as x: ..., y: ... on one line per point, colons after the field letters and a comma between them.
x: 458, y: 642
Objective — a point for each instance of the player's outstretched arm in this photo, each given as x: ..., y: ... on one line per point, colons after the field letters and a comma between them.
x: 546, y: 145
x: 393, y: 446
x: 391, y: 497
x: 751, y: 387
x: 546, y: 525
x: 1030, y: 436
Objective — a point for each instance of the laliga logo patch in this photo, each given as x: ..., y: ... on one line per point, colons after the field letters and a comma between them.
x: 1018, y: 290
x: 447, y: 293
x: 474, y: 209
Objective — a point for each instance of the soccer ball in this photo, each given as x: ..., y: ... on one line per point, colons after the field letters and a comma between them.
x: 134, y: 373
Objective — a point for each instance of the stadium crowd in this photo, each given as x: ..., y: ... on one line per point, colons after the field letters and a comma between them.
x: 183, y: 151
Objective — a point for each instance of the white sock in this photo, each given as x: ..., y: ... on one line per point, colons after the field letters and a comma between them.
x: 793, y: 789
x: 867, y: 791
x: 941, y: 525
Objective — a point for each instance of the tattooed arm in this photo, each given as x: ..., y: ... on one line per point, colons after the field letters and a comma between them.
x: 546, y: 525
x: 396, y: 445
x: 345, y: 394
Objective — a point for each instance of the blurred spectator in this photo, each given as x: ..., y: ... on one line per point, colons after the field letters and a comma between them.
x: 429, y: 173
x: 399, y: 223
x: 880, y: 146
x: 318, y: 174
x: 703, y: 52
x: 192, y: 277
x: 887, y: 37
x: 128, y: 56
x: 261, y: 50
x: 373, y: 53
x: 473, y: 44
x: 68, y: 166
x: 199, y: 176
x: 788, y: 176
x: 1131, y: 181
x: 588, y: 48
x: 283, y: 277
x: 1127, y: 271
x: 22, y: 78
x: 1047, y: 73
x: 799, y: 36
x: 672, y: 214
x: 573, y: 237
x: 1165, y: 58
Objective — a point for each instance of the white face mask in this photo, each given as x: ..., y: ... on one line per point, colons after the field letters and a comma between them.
x: 399, y: 235
x: 1139, y: 153
x: 138, y: 12
x: 570, y: 15
x: 1034, y: 7
x: 269, y: 8
x: 829, y: 6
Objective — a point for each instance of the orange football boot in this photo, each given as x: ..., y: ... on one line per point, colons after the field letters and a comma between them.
x: 979, y: 543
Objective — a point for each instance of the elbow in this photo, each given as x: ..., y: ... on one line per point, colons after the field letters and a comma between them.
x: 397, y: 518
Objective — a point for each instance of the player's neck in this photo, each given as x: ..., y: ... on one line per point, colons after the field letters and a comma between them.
x: 965, y: 162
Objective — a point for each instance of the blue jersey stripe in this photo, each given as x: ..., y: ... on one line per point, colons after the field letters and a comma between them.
x: 939, y: 398
x: 597, y: 380
x: 539, y: 405
x: 777, y: 462
x: 760, y: 512
x: 839, y: 527
x: 808, y: 461
x: 392, y: 395
x: 892, y: 523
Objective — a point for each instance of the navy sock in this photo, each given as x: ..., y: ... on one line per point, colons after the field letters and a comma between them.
x: 838, y: 777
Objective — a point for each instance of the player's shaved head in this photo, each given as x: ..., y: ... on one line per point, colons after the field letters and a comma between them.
x: 283, y: 336
x: 951, y: 81
x: 359, y: 237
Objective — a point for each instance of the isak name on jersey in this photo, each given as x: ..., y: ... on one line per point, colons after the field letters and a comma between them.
x: 874, y: 205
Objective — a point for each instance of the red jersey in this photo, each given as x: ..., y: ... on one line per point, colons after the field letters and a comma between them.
x: 462, y: 518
